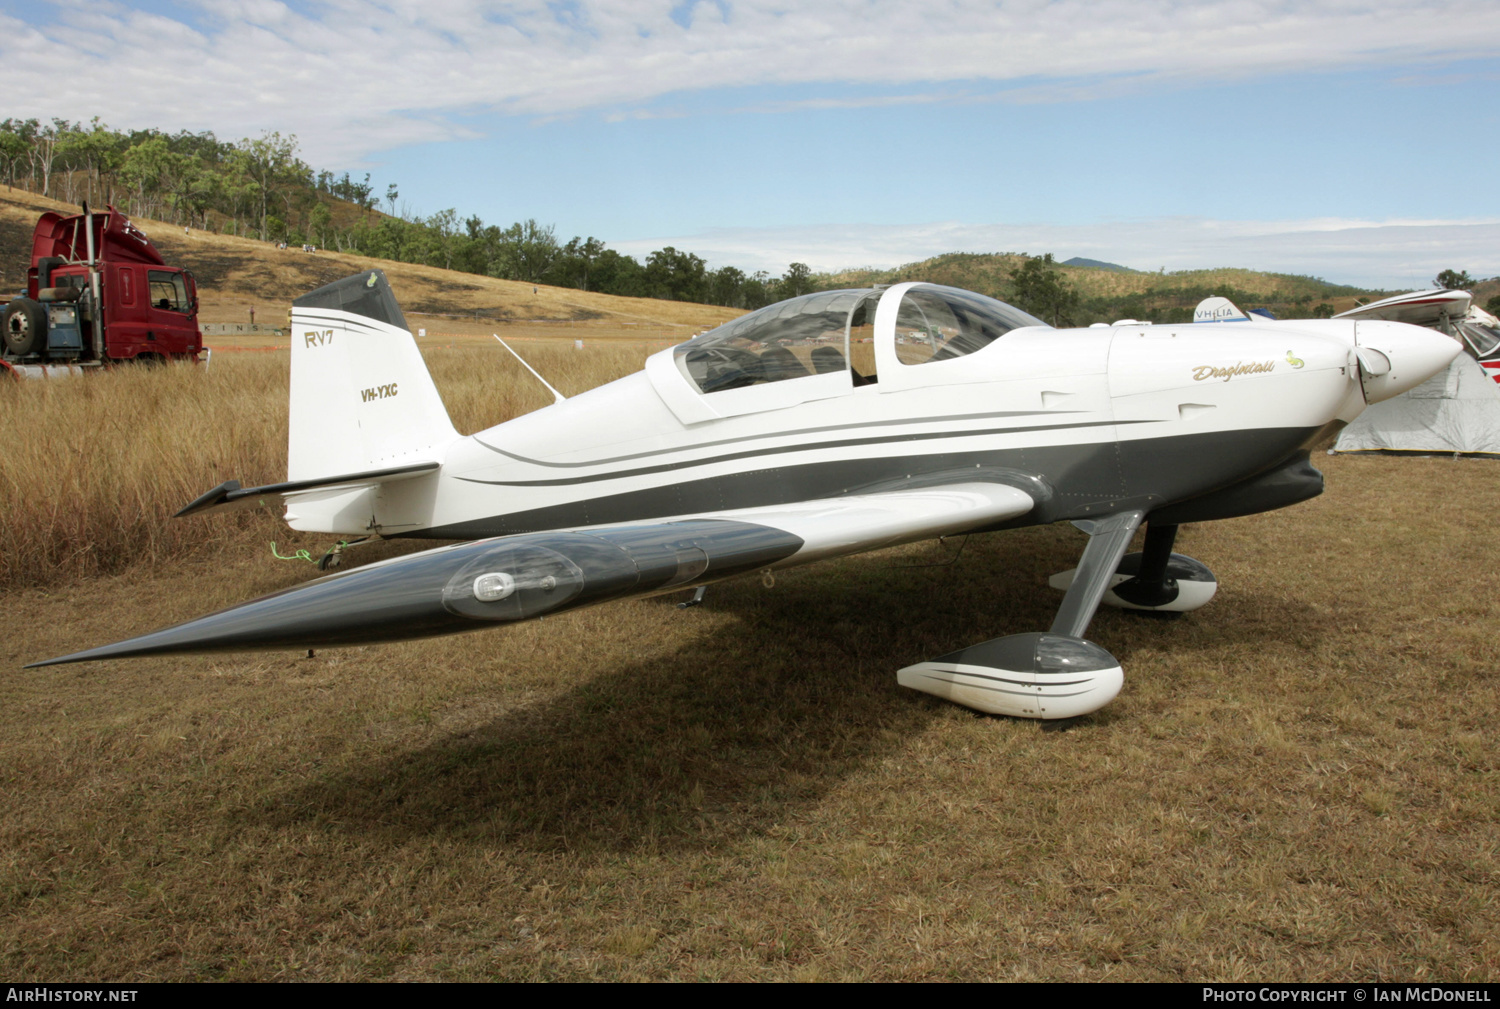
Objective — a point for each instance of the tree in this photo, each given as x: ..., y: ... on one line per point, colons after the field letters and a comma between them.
x: 193, y: 189
x: 575, y: 263
x: 1323, y: 310
x: 757, y: 291
x: 361, y: 194
x: 72, y: 141
x: 798, y: 281
x: 102, y: 151
x: 677, y: 276
x: 235, y: 186
x: 271, y: 162
x: 444, y: 226
x: 318, y: 222
x: 479, y: 247
x: 1454, y: 280
x: 148, y: 170
x: 1493, y: 305
x: 13, y: 150
x: 527, y: 251
x: 726, y: 287
x: 619, y: 274
x: 45, y: 150
x: 1039, y: 288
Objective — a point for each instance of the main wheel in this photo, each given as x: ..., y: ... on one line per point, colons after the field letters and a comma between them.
x: 25, y: 327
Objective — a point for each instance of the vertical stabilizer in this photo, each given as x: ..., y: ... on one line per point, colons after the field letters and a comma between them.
x: 362, y: 398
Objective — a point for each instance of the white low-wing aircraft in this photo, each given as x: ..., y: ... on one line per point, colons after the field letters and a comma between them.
x: 757, y: 446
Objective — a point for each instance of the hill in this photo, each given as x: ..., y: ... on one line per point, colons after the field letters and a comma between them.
x: 1107, y: 293
x: 237, y: 274
x: 1097, y: 264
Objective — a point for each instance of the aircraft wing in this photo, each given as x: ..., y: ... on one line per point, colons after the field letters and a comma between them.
x: 509, y: 578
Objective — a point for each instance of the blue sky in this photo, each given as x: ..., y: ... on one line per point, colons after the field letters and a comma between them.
x: 1356, y: 141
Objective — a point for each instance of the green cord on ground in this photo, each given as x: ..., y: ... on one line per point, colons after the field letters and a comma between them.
x: 300, y: 555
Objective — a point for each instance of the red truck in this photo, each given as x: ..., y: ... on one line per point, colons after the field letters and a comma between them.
x: 97, y: 291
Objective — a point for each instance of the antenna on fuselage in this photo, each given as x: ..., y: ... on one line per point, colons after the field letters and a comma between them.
x: 557, y: 397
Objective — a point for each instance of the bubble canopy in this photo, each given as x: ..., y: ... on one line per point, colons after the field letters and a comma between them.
x: 813, y: 335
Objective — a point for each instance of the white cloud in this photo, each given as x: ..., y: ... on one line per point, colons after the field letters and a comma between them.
x: 350, y: 78
x: 1382, y: 254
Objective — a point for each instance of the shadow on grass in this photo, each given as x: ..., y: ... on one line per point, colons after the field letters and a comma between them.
x: 729, y: 735
x: 732, y: 733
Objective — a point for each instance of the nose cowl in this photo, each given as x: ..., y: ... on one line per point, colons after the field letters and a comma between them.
x: 1395, y: 357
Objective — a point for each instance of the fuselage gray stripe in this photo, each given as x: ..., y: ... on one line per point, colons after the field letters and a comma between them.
x: 804, y: 447
x: 952, y: 419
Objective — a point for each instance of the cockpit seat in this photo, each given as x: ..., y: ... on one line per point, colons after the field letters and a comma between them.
x: 827, y: 359
x: 778, y: 364
x: 725, y: 368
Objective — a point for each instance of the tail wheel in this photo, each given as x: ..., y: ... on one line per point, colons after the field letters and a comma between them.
x: 25, y: 327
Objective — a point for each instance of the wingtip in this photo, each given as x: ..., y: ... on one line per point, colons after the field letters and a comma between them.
x: 61, y: 660
x: 208, y: 499
x: 116, y: 650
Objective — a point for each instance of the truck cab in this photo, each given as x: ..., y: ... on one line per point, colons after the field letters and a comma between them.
x: 97, y: 291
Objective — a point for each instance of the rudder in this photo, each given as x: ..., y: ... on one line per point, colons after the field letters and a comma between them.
x: 361, y: 396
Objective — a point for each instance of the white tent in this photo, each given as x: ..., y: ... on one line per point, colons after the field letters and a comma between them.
x: 1456, y: 411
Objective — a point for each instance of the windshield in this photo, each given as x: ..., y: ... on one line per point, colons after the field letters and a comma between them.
x: 791, y: 339
x: 1483, y: 340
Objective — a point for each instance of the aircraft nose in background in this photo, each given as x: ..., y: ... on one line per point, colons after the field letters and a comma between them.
x: 1395, y: 357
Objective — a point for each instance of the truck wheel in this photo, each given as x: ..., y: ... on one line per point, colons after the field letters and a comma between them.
x: 25, y: 327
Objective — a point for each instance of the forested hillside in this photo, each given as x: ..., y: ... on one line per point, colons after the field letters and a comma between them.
x: 238, y: 277
x: 261, y: 189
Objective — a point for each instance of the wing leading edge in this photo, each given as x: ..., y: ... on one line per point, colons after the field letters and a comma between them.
x: 504, y: 580
x: 830, y: 527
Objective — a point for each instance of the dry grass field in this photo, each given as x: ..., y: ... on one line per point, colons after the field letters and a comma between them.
x: 1298, y: 782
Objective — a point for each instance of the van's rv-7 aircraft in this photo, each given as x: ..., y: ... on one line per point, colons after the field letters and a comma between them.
x: 757, y: 446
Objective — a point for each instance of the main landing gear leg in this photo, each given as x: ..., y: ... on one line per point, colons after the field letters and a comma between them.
x: 1152, y: 584
x: 1155, y: 578
x: 1051, y: 675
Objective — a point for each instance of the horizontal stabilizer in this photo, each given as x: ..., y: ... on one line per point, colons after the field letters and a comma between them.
x: 229, y: 493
